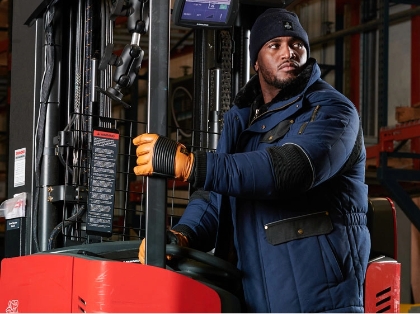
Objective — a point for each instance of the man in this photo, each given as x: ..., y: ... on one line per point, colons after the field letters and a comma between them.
x: 287, y: 181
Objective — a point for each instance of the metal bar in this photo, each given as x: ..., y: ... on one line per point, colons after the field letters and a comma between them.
x: 200, y: 93
x: 413, y: 2
x: 354, y: 56
x: 383, y: 74
x: 204, y: 45
x: 369, y: 26
x: 389, y: 179
x: 383, y: 64
x: 339, y: 47
x: 405, y: 155
x: 128, y: 162
x: 70, y: 24
x: 404, y: 131
x: 368, y: 72
x: 157, y: 123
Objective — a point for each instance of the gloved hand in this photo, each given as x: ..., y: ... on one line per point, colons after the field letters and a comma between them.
x: 172, y: 237
x: 158, y: 155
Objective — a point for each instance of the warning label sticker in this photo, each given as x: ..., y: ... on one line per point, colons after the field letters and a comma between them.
x: 100, y: 211
x: 20, y: 161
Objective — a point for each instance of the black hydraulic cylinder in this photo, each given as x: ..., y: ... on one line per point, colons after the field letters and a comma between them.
x: 47, y: 212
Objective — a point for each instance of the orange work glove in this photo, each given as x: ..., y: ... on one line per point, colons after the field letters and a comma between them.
x: 172, y: 237
x: 158, y: 155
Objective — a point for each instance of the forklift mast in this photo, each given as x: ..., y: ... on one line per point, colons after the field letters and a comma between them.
x: 75, y: 95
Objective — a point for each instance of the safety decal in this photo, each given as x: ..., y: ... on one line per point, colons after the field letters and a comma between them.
x: 12, y: 307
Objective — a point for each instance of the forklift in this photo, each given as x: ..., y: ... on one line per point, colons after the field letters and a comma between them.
x: 77, y: 213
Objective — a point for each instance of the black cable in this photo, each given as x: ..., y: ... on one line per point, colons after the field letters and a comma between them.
x: 64, y: 162
x: 40, y: 135
x: 64, y: 224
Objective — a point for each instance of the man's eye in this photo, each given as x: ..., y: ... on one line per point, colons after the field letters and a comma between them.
x: 298, y: 45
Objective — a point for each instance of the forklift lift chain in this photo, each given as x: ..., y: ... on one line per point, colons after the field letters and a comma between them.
x: 226, y: 79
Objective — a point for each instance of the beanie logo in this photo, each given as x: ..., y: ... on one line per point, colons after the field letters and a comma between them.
x: 287, y: 25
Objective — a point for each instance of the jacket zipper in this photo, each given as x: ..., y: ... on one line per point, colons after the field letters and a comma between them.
x: 313, y: 116
x: 257, y: 116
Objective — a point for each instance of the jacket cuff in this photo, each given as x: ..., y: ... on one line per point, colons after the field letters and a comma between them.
x: 189, y: 233
x: 198, y: 177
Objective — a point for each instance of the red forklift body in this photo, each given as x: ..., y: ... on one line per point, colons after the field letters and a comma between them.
x: 382, y: 286
x: 66, y: 283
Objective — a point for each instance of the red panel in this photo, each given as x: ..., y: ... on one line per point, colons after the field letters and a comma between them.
x: 382, y: 287
x: 107, y: 286
x: 415, y: 59
x: 400, y: 132
x: 42, y: 283
x: 36, y: 283
x: 415, y: 77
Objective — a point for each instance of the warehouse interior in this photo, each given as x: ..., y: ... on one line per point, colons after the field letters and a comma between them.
x: 367, y: 49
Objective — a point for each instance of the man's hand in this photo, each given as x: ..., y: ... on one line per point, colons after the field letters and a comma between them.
x: 172, y: 237
x: 158, y: 155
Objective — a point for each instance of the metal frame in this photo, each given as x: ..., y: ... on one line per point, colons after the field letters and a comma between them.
x: 26, y: 73
x: 158, y: 88
x: 391, y: 178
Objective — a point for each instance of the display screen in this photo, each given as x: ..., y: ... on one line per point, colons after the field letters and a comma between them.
x: 206, y: 11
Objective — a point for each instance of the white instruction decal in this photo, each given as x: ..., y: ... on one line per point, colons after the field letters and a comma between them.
x: 20, y: 162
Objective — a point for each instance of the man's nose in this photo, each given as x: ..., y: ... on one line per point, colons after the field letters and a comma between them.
x: 287, y: 52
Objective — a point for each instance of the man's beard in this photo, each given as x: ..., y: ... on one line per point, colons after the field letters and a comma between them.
x: 276, y: 82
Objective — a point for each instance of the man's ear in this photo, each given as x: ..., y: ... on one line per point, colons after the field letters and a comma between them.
x: 256, y: 66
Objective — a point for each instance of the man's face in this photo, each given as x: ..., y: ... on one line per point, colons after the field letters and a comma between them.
x: 279, y: 61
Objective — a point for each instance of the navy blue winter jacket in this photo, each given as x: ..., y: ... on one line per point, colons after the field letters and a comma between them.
x: 297, y: 208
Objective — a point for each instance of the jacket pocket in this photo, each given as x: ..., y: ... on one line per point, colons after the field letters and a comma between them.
x: 313, y: 116
x: 278, y: 132
x: 300, y: 227
x: 331, y: 260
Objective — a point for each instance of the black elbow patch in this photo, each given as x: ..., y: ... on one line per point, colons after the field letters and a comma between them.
x: 292, y: 169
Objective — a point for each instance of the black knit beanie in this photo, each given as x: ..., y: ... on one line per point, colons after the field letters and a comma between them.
x: 275, y: 22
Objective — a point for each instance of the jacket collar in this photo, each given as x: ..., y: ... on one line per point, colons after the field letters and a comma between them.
x: 250, y: 95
